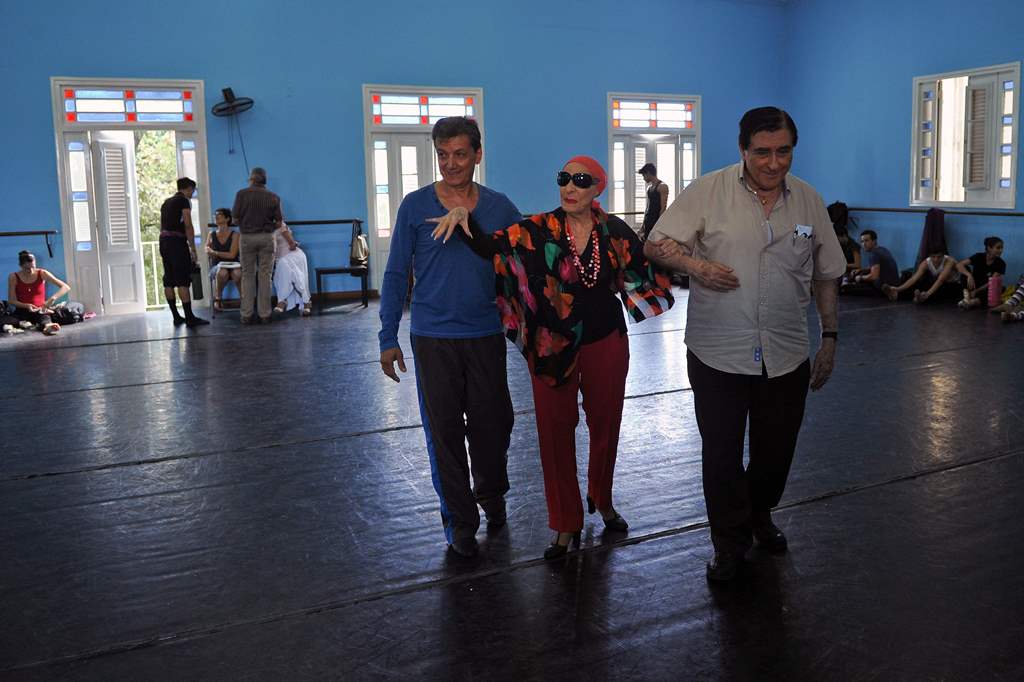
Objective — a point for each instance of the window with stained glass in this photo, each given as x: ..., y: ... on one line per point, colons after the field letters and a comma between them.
x: 411, y: 109
x: 126, y: 105
x: 964, y: 138
x: 652, y: 113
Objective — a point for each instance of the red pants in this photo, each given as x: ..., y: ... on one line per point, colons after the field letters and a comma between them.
x: 601, y: 375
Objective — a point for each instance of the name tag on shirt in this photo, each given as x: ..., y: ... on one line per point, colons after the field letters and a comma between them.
x: 804, y: 231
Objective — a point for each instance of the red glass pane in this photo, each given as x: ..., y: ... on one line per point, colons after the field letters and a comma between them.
x: 689, y: 124
x: 615, y: 104
x: 469, y: 101
x: 376, y: 99
x: 131, y: 117
x: 187, y: 94
x: 689, y: 107
x: 376, y: 119
x: 188, y: 117
x: 615, y: 123
x: 654, y: 124
x: 129, y: 94
x: 71, y: 116
x: 654, y: 105
x: 423, y: 120
x: 423, y: 99
x: 69, y: 94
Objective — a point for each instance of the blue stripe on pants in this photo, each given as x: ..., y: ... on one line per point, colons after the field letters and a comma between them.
x: 435, y: 477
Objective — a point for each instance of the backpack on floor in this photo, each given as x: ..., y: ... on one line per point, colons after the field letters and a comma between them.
x: 68, y: 313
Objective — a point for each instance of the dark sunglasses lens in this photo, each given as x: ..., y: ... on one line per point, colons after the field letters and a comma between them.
x: 563, y: 178
x: 583, y: 180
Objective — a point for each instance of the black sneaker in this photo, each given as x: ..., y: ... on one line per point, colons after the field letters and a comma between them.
x: 723, y: 567
x: 465, y: 547
x: 196, y: 322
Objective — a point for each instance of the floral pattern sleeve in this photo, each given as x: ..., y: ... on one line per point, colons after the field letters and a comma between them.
x: 536, y: 279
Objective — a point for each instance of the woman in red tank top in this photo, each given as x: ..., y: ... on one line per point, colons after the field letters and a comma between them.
x: 26, y: 291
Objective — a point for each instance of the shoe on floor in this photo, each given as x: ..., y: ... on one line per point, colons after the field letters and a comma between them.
x: 245, y: 320
x: 723, y: 567
x: 768, y: 536
x: 465, y: 547
x: 497, y: 516
x: 195, y: 322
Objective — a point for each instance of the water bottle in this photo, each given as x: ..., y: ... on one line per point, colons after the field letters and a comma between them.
x: 995, y: 290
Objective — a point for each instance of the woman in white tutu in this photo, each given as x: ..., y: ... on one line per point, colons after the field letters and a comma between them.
x: 291, y: 272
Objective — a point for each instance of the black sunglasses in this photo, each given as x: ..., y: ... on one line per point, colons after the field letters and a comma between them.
x: 581, y: 180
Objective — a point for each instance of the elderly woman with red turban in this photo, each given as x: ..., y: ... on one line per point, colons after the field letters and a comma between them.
x: 560, y: 279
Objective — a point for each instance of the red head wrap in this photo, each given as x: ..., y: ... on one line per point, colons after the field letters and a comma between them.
x: 595, y: 169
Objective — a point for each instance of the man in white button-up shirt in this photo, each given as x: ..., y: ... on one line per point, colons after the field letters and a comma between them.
x: 755, y: 242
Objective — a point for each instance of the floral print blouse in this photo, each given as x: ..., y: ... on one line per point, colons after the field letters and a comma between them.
x: 540, y: 296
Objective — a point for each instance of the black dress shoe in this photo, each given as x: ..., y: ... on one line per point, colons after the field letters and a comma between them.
x: 723, y: 567
x: 465, y: 547
x: 556, y: 550
x: 769, y: 537
x: 616, y: 523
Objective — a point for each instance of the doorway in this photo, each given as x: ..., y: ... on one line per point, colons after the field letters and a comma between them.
x: 400, y: 155
x: 120, y: 149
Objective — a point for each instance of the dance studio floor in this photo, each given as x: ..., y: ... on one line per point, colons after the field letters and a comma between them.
x: 255, y: 503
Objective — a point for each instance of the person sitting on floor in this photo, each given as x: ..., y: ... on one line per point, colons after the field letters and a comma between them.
x: 26, y: 291
x: 935, y: 278
x: 291, y: 272
x: 222, y: 248
x: 881, y: 269
x: 982, y: 265
x: 1012, y: 310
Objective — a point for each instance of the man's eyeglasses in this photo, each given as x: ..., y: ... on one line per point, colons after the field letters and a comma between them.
x: 581, y: 180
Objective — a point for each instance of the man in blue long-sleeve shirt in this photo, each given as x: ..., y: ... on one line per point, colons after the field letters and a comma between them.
x: 456, y: 336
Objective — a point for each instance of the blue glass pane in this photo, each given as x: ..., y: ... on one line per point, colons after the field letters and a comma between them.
x: 1007, y: 149
x: 927, y: 125
x: 382, y: 189
x: 1007, y: 120
x: 99, y: 94
x: 163, y: 118
x: 469, y: 111
x: 188, y: 106
x: 929, y: 94
x: 1005, y: 182
x: 1007, y: 85
x: 927, y: 151
x: 101, y: 118
x: 83, y: 246
x: 79, y: 196
x: 69, y: 105
x: 129, y: 105
x: 926, y: 183
x: 376, y: 110
x: 76, y: 147
x: 158, y: 94
x: 188, y: 144
x: 380, y: 144
x: 620, y: 184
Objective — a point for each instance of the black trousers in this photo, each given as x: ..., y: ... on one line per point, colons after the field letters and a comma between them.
x: 463, y: 394
x: 38, y: 319
x: 725, y: 403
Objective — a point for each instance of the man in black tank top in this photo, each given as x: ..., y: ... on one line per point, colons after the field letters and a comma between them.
x: 657, y: 198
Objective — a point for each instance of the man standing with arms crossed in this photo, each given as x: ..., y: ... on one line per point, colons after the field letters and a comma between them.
x: 755, y: 243
x: 456, y: 336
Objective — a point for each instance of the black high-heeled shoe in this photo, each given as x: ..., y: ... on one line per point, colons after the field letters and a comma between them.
x: 556, y: 550
x: 616, y: 523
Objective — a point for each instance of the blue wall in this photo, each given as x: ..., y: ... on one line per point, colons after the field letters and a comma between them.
x: 305, y: 63
x: 844, y: 69
x: 850, y: 69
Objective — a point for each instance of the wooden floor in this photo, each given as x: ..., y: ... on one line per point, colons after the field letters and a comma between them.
x: 255, y: 503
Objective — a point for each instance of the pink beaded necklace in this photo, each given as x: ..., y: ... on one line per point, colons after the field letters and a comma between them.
x: 587, y: 279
